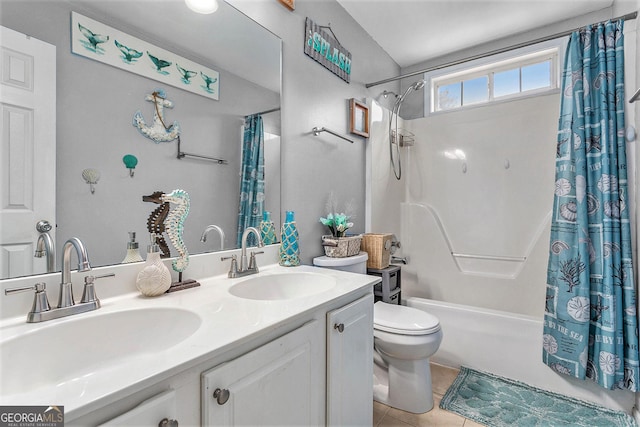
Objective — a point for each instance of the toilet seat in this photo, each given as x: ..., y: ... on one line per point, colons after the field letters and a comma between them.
x: 402, y: 320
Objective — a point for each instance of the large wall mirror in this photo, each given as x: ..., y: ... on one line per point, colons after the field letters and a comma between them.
x: 94, y: 108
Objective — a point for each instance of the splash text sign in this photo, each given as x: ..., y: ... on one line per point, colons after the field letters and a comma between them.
x: 326, y: 50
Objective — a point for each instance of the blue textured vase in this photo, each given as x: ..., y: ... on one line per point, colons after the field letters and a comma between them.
x: 267, y: 229
x: 289, y: 250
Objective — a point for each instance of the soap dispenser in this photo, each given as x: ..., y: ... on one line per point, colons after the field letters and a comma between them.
x: 155, y: 278
x: 133, y: 254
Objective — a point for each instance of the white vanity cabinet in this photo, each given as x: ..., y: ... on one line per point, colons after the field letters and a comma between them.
x: 285, y: 381
x: 350, y: 364
x: 148, y: 413
x: 304, y: 363
x: 276, y: 384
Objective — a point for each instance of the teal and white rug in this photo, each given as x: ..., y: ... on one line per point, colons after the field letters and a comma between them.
x: 496, y: 402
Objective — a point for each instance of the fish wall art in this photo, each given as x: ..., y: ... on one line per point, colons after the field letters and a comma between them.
x: 100, y: 42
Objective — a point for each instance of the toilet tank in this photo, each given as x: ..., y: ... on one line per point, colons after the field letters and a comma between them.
x: 353, y: 264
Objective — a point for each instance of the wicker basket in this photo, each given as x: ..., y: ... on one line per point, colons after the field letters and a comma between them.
x: 341, y: 247
x: 378, y: 246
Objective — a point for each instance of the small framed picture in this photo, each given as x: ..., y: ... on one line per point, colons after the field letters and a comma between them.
x: 289, y: 4
x: 359, y: 118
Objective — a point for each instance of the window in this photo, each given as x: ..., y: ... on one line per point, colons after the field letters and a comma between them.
x: 506, y: 76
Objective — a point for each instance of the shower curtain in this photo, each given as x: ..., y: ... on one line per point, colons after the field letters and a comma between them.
x: 252, y: 177
x: 590, y: 325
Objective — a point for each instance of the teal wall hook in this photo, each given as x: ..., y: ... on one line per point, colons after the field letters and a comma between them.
x: 130, y: 161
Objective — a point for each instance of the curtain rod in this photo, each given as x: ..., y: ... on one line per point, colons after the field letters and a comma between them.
x: 267, y: 111
x: 628, y: 16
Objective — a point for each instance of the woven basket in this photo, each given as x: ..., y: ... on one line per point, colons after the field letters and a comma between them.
x: 378, y: 246
x: 341, y: 247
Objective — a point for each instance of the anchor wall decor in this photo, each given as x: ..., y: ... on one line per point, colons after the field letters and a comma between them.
x: 158, y: 131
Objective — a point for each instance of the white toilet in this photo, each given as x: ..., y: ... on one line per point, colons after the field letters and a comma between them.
x: 404, y: 340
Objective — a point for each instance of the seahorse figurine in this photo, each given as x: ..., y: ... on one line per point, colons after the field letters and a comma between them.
x: 174, y: 226
x: 155, y: 222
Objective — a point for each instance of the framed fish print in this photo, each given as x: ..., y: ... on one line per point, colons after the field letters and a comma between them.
x: 97, y: 41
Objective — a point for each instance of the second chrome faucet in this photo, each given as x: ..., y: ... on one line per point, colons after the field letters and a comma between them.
x: 246, y: 267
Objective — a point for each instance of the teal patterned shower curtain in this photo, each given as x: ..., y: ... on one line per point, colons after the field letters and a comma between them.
x: 252, y: 178
x: 590, y: 325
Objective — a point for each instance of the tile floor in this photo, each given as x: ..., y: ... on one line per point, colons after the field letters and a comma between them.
x: 441, y: 377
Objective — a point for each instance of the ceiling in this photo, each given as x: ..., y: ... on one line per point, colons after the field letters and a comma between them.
x: 414, y: 31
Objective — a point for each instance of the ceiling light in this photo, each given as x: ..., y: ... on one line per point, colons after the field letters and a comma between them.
x: 202, y: 6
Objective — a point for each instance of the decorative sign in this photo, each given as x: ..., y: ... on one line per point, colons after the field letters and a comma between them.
x: 326, y: 50
x: 102, y: 43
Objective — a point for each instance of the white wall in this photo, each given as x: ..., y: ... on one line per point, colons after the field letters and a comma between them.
x: 313, y: 96
x: 311, y: 166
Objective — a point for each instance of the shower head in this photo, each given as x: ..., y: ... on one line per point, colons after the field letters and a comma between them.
x: 419, y: 84
x: 414, y: 86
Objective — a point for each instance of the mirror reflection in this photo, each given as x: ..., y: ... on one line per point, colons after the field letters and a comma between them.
x: 92, y: 185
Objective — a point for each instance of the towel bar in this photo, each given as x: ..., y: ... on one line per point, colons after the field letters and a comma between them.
x: 316, y: 131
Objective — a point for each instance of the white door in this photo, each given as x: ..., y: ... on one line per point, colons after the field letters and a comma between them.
x: 278, y: 384
x: 27, y: 149
x: 350, y: 364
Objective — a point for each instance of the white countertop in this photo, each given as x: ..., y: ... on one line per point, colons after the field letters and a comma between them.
x: 227, y: 321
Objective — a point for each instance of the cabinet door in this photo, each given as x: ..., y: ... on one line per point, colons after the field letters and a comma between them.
x: 276, y: 384
x: 148, y: 413
x: 350, y: 364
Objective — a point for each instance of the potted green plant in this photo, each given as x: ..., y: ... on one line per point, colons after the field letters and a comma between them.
x: 338, y: 244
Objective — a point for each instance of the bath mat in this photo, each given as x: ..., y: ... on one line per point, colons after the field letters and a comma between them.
x: 496, y: 402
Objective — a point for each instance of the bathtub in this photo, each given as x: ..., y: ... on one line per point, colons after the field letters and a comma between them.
x: 509, y: 345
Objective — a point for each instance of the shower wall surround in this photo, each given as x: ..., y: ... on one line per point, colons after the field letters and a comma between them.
x: 384, y: 192
x: 475, y: 217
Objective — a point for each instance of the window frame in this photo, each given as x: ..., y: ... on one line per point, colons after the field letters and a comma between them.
x: 552, y: 50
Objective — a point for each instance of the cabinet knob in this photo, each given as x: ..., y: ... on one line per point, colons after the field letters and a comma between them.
x: 221, y: 395
x: 166, y: 422
x: 339, y: 327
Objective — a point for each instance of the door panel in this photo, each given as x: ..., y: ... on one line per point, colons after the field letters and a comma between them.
x: 27, y: 149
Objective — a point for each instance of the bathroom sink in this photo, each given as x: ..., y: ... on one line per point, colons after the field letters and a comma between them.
x: 64, y: 351
x: 282, y: 286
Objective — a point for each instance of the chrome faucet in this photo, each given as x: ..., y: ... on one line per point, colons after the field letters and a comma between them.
x: 206, y: 231
x: 41, y: 311
x: 45, y: 246
x: 245, y: 268
x: 66, y: 287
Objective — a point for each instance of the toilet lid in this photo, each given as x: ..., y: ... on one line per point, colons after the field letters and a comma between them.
x: 403, y: 320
